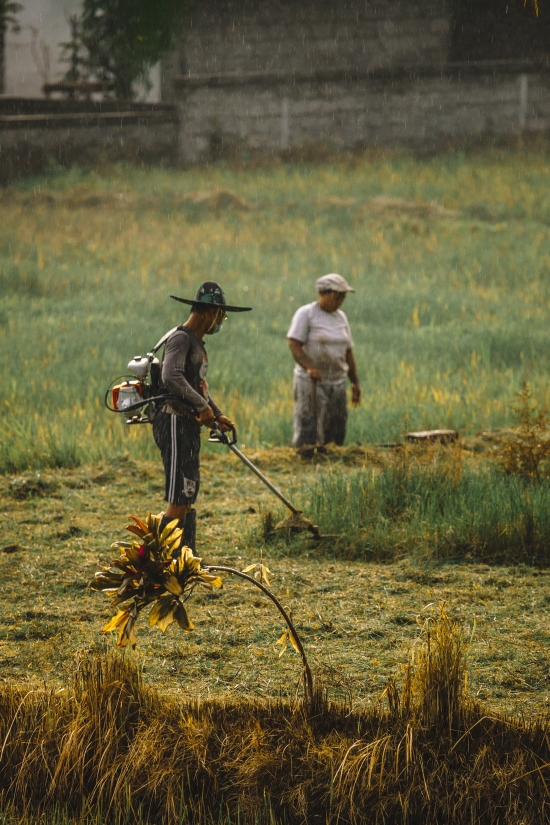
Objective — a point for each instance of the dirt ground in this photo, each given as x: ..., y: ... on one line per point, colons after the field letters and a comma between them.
x: 358, y: 620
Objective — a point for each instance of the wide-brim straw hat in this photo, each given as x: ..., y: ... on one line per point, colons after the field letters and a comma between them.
x: 211, y: 294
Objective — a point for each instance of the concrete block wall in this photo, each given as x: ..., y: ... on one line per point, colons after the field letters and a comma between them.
x: 275, y: 74
x: 304, y: 35
x: 35, y: 133
x: 425, y: 112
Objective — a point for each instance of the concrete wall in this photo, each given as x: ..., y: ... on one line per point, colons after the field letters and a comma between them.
x: 277, y: 74
x: 228, y: 36
x: 425, y: 112
x: 304, y: 35
x: 36, y: 133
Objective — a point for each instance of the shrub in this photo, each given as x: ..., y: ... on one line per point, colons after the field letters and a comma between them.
x: 525, y: 452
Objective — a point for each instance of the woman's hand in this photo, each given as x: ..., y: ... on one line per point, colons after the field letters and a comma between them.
x: 355, y: 395
x: 301, y: 358
x: 315, y: 375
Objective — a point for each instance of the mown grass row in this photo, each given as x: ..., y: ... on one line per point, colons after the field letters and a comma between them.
x: 449, y: 316
x: 109, y: 749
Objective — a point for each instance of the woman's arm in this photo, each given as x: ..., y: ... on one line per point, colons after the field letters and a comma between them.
x: 299, y: 355
x: 353, y: 377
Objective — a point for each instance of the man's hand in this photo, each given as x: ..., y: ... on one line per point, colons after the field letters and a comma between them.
x: 355, y: 395
x: 315, y: 375
x: 224, y: 423
x: 207, y: 417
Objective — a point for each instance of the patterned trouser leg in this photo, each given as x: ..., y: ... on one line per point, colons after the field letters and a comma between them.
x: 327, y: 423
x: 179, y: 442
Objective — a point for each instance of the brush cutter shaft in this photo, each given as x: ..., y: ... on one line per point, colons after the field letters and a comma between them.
x: 217, y: 436
x: 294, y: 522
x: 261, y: 476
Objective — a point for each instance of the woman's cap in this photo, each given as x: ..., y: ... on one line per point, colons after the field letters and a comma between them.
x: 332, y: 283
x: 210, y: 293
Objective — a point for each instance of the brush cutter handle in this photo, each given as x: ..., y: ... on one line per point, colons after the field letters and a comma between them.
x: 219, y: 437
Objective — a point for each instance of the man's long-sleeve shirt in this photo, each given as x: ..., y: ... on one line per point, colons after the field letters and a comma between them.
x: 183, y: 373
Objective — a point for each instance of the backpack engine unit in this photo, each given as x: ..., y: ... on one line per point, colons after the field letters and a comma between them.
x: 137, y: 396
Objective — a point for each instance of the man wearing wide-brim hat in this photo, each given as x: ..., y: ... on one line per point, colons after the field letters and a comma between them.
x: 176, y: 427
x: 321, y: 344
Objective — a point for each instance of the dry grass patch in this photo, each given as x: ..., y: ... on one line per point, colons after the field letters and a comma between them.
x: 426, y: 753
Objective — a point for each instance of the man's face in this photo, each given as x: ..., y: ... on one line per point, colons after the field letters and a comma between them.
x: 216, y: 317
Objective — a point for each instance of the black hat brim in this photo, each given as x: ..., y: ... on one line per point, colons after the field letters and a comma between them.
x: 226, y: 308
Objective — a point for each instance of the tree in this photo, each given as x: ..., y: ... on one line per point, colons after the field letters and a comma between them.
x: 8, y: 19
x: 73, y: 54
x: 124, y: 39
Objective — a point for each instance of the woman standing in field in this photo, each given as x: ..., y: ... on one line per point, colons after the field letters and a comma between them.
x: 321, y: 344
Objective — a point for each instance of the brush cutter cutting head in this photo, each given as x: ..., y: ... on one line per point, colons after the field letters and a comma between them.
x: 296, y: 522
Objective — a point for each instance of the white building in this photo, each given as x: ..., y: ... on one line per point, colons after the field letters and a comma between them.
x: 32, y: 56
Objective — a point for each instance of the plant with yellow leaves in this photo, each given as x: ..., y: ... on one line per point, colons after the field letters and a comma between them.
x: 154, y: 570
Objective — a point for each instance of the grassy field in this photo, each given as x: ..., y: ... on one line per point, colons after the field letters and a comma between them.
x: 359, y: 619
x: 440, y: 503
x: 214, y: 734
x: 449, y: 316
x: 108, y: 749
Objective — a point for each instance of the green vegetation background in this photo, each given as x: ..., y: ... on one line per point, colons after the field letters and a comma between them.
x: 450, y: 313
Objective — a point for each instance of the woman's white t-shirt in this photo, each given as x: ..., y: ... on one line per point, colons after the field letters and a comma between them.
x: 326, y: 338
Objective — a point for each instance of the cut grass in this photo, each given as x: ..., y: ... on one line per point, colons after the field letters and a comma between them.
x: 449, y: 316
x: 358, y: 619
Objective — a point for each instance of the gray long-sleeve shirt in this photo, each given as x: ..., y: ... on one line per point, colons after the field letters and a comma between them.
x: 183, y: 373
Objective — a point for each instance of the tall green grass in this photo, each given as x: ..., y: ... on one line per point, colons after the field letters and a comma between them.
x: 435, y: 508
x: 449, y: 314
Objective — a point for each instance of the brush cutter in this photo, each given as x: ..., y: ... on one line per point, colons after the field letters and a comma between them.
x: 130, y: 397
x: 296, y: 521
